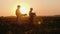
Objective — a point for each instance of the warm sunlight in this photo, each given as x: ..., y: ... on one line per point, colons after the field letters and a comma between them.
x: 39, y: 22
x: 25, y: 8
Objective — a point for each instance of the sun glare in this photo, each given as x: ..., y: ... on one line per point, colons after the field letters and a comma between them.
x: 24, y: 8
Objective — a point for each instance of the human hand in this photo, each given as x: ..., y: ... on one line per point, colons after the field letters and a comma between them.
x: 24, y: 14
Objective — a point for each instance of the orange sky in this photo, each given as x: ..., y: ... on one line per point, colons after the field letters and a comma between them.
x: 41, y: 7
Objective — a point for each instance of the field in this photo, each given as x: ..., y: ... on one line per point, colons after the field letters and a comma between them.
x: 40, y: 25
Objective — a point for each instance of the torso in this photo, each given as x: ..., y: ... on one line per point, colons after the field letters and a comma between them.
x: 18, y: 13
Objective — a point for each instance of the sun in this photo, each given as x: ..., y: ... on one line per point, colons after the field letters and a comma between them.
x: 24, y: 8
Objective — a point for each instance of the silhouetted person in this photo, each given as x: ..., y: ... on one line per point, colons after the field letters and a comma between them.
x: 18, y: 11
x: 19, y: 15
x: 30, y: 17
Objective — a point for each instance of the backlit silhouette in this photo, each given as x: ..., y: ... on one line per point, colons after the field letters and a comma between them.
x: 19, y: 14
x: 31, y: 16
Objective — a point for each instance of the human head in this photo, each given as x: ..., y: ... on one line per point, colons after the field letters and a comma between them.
x: 31, y: 9
x: 18, y: 6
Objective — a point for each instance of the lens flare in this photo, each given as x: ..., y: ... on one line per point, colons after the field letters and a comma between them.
x: 24, y: 8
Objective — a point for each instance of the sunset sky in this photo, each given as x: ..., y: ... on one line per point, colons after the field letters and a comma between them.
x: 41, y: 7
